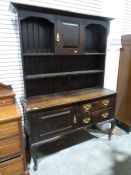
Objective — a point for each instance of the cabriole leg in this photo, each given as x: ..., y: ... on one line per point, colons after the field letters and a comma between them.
x: 34, y: 156
x: 113, y: 124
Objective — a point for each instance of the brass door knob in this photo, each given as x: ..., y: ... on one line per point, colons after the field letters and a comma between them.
x: 86, y: 120
x: 105, y: 102
x: 105, y: 114
x: 87, y: 107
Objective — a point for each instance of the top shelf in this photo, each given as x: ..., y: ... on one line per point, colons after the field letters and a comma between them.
x: 37, y: 54
x: 95, y: 53
x: 45, y: 54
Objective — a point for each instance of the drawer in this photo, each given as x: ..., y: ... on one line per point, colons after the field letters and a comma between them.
x: 102, y: 115
x: 7, y: 101
x: 12, y: 167
x: 10, y: 147
x: 96, y: 117
x: 9, y: 129
x: 98, y: 104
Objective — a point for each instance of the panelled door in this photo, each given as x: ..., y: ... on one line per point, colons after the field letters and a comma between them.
x: 69, y: 35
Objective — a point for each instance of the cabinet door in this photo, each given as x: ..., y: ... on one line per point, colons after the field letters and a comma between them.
x: 50, y: 123
x: 68, y: 35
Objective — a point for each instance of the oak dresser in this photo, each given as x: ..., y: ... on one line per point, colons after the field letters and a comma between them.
x: 12, y: 156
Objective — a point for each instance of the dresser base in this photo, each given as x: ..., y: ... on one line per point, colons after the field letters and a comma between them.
x: 34, y: 146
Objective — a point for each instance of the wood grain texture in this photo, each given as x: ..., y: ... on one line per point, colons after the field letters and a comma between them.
x: 63, y: 98
x: 6, y: 91
x: 12, y: 167
x: 9, y: 113
x: 123, y: 105
x: 12, y: 156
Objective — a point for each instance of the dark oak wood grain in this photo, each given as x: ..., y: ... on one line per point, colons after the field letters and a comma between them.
x: 63, y: 60
x: 63, y: 98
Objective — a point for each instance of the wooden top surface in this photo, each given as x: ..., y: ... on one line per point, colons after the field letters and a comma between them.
x: 6, y: 91
x: 9, y: 113
x: 63, y: 98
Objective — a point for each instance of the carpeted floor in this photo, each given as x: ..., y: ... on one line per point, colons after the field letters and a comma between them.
x: 89, y: 156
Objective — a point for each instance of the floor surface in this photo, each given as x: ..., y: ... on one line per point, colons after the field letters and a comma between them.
x: 86, y: 153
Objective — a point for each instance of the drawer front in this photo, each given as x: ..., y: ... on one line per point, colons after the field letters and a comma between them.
x: 96, y: 117
x: 99, y: 104
x: 51, y: 123
x: 9, y: 129
x: 7, y: 101
x: 12, y: 167
x: 102, y: 115
x: 10, y: 147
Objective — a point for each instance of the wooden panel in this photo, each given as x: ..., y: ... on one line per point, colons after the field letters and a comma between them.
x: 68, y: 44
x: 9, y: 113
x: 123, y: 102
x: 63, y: 83
x: 95, y: 36
x: 35, y: 65
x: 56, y: 99
x: 7, y: 101
x: 10, y: 147
x: 9, y: 129
x: 37, y: 35
x: 51, y: 123
x: 12, y: 167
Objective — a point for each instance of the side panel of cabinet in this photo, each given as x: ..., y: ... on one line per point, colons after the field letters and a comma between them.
x: 69, y: 35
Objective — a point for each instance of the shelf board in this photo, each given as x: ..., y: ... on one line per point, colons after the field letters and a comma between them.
x: 95, y: 53
x: 59, y: 74
x: 44, y: 54
x: 37, y: 54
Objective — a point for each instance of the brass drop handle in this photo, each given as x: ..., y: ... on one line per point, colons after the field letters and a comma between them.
x: 105, y: 102
x: 87, y: 107
x: 105, y: 114
x: 74, y: 119
x: 57, y: 37
x: 86, y: 120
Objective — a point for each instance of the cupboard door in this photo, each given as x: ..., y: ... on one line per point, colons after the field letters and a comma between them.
x: 68, y: 35
x: 50, y: 123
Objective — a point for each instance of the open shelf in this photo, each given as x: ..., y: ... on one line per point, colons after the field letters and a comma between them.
x: 94, y: 53
x: 37, y: 54
x: 37, y: 35
x: 62, y: 74
x: 39, y: 86
x: 62, y: 65
x: 95, y: 38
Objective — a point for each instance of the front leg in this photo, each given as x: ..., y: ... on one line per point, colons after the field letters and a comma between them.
x: 34, y: 156
x: 113, y: 124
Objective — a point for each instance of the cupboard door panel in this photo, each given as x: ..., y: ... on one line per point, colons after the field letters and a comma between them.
x: 51, y: 123
x: 68, y: 36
